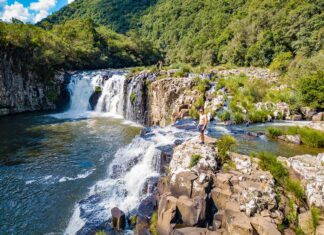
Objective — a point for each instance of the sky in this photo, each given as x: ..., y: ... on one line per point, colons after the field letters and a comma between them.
x: 29, y: 11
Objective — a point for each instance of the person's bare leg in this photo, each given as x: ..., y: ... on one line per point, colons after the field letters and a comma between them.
x: 203, y: 137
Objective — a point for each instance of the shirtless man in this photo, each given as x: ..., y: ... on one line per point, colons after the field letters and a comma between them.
x: 203, y: 121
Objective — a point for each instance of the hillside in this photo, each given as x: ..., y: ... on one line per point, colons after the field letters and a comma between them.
x: 241, y: 32
x: 120, y: 15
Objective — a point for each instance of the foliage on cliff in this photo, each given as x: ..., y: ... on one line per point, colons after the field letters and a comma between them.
x: 75, y: 44
x: 243, y: 33
x: 119, y: 15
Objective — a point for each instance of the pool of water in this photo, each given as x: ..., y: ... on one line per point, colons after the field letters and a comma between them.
x: 47, y: 164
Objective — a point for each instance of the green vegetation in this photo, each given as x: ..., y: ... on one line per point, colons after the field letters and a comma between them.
x: 74, y: 44
x: 311, y: 89
x: 101, y: 233
x: 274, y: 132
x: 256, y: 116
x: 153, y: 223
x: 310, y: 137
x: 224, y: 145
x: 238, y: 118
x: 270, y: 163
x: 225, y: 116
x: 132, y: 97
x: 194, y: 160
x: 315, y: 218
x: 98, y: 89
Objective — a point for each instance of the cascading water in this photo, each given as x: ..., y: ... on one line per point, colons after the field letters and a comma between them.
x: 112, y: 97
x: 131, y: 178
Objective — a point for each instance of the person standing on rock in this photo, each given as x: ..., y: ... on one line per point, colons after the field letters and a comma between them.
x: 203, y: 121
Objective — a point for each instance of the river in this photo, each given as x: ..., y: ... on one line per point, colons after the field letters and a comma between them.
x: 61, y: 173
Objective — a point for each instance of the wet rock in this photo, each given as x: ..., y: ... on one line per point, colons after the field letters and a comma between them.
x: 118, y: 219
x: 142, y: 226
x: 147, y: 207
x: 263, y: 226
x: 296, y: 117
x: 94, y: 99
x: 294, y: 139
x: 166, y: 215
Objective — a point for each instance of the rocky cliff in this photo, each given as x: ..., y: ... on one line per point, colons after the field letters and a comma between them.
x: 22, y: 89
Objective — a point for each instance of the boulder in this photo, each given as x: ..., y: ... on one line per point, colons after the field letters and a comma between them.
x: 192, y: 211
x: 237, y: 223
x: 294, y: 139
x: 193, y: 231
x: 318, y: 117
x: 296, y: 117
x: 166, y: 214
x: 264, y: 227
x: 142, y: 226
x: 308, y: 112
x: 221, y: 197
x: 305, y: 221
x: 118, y: 219
x: 182, y: 183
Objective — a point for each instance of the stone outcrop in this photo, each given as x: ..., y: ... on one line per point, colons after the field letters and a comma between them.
x: 200, y: 196
x: 310, y: 169
x: 171, y: 99
x: 250, y: 72
x: 23, y: 90
x: 294, y: 139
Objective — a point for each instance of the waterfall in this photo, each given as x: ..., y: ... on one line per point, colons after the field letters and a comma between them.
x: 112, y: 97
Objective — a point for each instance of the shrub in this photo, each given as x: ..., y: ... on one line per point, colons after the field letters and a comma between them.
x: 269, y: 162
x: 296, y: 188
x: 274, y: 132
x: 238, y: 118
x: 281, y: 62
x: 193, y: 112
x: 98, y: 89
x: 225, y: 144
x: 315, y: 218
x: 225, y: 116
x: 153, y: 223
x: 194, y: 160
x: 308, y: 136
x: 132, y: 97
x: 256, y: 116
x: 311, y: 89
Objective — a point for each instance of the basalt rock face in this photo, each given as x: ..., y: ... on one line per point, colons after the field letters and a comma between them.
x: 201, y: 198
x: 171, y: 100
x: 23, y: 90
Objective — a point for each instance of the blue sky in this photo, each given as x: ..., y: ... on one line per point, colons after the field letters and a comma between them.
x: 30, y: 11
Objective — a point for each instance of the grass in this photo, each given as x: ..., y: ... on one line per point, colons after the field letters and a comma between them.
x: 224, y: 145
x: 256, y: 116
x: 101, y: 233
x: 280, y: 173
x: 274, y: 132
x: 238, y: 118
x: 225, y: 116
x: 310, y: 137
x: 153, y: 223
x: 315, y: 218
x: 194, y: 160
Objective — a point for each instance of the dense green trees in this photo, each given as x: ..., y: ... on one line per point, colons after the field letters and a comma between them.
x: 74, y: 44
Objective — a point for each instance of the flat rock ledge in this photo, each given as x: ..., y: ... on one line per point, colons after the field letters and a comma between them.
x: 203, y: 199
x: 310, y: 170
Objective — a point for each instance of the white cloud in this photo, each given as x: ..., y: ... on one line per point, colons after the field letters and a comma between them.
x: 16, y: 10
x: 35, y: 12
x: 42, y: 5
x: 69, y: 1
